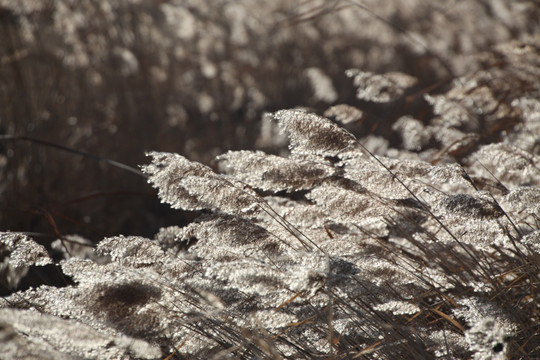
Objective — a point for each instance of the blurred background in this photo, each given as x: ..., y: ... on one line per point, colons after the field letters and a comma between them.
x: 118, y: 78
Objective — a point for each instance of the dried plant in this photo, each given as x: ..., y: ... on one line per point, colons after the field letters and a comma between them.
x: 332, y: 251
x: 420, y: 240
x: 121, y: 78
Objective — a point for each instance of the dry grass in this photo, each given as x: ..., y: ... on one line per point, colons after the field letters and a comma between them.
x: 403, y: 225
